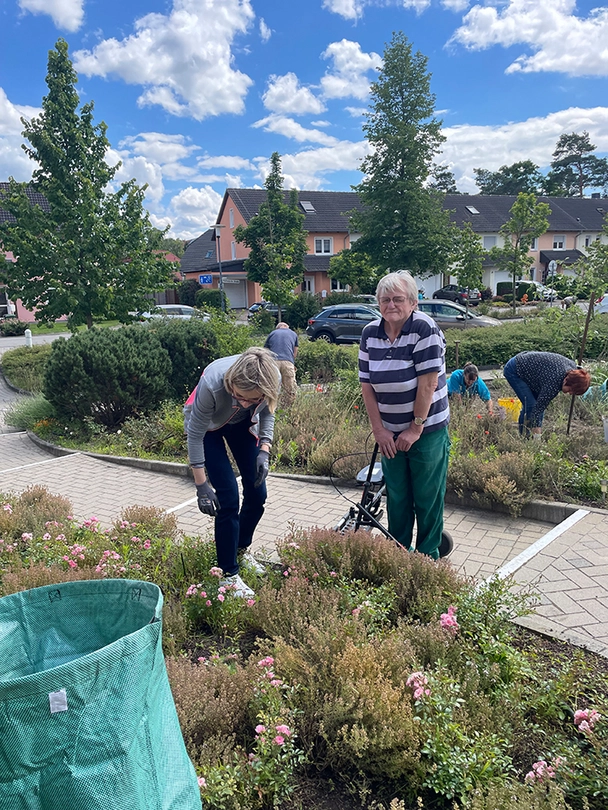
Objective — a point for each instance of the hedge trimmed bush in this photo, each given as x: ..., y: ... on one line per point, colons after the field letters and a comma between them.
x: 319, y: 361
x: 107, y: 375
x: 211, y: 299
x: 24, y: 366
x: 191, y: 345
x: 299, y: 311
x: 556, y: 331
x: 13, y: 327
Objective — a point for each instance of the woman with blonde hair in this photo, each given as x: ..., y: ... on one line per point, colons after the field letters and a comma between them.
x: 233, y: 406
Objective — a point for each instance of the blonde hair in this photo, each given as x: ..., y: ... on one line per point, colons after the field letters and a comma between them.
x: 401, y: 281
x: 255, y: 370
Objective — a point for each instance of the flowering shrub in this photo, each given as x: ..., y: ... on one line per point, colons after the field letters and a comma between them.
x: 214, y: 607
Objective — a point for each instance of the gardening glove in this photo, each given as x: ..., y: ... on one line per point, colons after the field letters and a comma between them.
x: 261, y: 464
x: 207, y: 499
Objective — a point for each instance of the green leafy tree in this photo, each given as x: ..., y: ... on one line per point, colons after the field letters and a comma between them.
x: 574, y: 167
x: 403, y: 224
x: 468, y: 259
x: 443, y: 180
x: 277, y: 241
x: 521, y: 176
x: 354, y: 268
x: 91, y: 254
x: 170, y: 244
x: 528, y: 220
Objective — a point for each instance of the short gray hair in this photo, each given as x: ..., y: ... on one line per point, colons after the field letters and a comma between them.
x: 401, y: 281
x: 255, y: 370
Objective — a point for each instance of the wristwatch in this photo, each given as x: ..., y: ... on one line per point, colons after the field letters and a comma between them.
x: 418, y: 420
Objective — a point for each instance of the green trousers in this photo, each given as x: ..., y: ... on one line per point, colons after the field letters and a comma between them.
x: 415, y: 488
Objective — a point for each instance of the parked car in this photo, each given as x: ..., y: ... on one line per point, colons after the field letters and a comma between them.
x: 452, y: 292
x: 341, y: 323
x: 180, y: 311
x: 601, y: 304
x: 449, y: 315
x: 544, y: 292
x: 273, y: 308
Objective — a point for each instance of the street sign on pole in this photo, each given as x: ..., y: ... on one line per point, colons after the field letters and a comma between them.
x: 552, y: 267
x: 205, y: 279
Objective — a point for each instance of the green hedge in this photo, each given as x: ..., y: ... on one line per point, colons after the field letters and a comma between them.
x: 13, y: 327
x: 557, y: 332
x: 319, y: 361
x: 24, y: 367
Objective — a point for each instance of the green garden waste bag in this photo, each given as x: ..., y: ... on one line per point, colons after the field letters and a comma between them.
x: 87, y: 719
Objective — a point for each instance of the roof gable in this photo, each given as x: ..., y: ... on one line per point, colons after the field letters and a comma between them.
x: 35, y: 197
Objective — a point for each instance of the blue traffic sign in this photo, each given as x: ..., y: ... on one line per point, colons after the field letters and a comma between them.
x: 205, y: 279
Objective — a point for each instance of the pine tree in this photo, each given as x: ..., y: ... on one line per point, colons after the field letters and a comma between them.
x: 574, y: 166
x: 91, y: 254
x: 403, y: 224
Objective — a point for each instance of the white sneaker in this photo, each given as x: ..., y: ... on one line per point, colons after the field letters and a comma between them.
x: 238, y: 587
x: 250, y: 562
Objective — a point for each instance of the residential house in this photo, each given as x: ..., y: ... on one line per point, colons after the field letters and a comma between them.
x: 574, y: 224
x: 326, y: 222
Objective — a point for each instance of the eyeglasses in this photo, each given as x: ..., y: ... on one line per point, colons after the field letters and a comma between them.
x: 240, y: 398
x: 396, y: 299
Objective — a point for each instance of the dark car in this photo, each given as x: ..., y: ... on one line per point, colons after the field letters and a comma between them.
x: 449, y: 315
x: 342, y: 323
x: 273, y: 308
x: 452, y: 292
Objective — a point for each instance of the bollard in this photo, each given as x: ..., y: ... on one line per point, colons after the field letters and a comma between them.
x: 28, y: 338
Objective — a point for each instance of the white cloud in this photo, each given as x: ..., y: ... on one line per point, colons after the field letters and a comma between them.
x: 265, y: 31
x: 349, y: 9
x: 560, y: 40
x: 138, y: 167
x: 418, y: 5
x: 224, y: 162
x: 291, y: 129
x: 455, y: 5
x: 159, y: 147
x: 286, y: 95
x: 67, y: 14
x: 357, y: 112
x: 320, y: 123
x: 489, y: 147
x: 13, y: 160
x: 347, y: 77
x: 308, y: 169
x: 183, y: 59
x: 192, y: 211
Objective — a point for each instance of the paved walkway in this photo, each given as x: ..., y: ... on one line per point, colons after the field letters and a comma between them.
x: 567, y: 564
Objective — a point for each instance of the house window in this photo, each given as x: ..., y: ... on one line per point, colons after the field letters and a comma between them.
x: 336, y: 286
x: 324, y: 246
x: 233, y: 249
x: 308, y: 206
x: 471, y: 209
x: 489, y: 242
x: 559, y: 242
x: 308, y: 285
x: 210, y: 254
x: 232, y: 217
x: 534, y: 244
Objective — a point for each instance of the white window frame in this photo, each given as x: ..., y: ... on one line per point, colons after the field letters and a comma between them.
x: 324, y: 245
x: 486, y: 240
x: 308, y: 285
x: 233, y: 249
x: 534, y: 244
x: 336, y: 286
x: 231, y: 212
x: 559, y: 241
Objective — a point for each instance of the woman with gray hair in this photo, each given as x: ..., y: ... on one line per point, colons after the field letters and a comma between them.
x: 233, y: 405
x: 402, y: 375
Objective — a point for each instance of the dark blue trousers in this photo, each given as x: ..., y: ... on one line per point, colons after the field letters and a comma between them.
x: 234, y: 527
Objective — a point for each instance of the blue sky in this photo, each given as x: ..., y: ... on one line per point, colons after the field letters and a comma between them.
x: 198, y: 93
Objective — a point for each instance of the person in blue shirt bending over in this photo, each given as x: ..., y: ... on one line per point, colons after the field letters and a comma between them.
x: 467, y: 383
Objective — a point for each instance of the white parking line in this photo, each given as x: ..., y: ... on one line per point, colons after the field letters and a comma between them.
x: 180, y: 506
x: 38, y: 463
x: 542, y: 542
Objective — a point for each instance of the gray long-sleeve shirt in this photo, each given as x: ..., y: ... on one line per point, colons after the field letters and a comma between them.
x: 214, y: 407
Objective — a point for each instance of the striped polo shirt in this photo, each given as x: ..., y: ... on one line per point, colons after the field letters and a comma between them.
x: 392, y: 369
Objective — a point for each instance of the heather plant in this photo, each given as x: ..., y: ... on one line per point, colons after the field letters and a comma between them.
x: 211, y: 606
